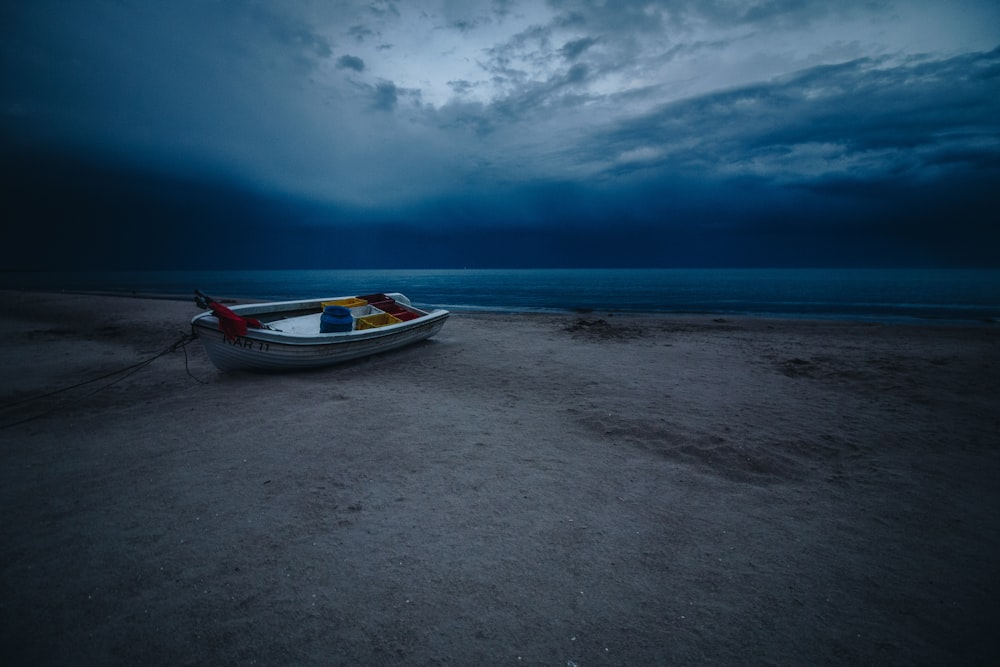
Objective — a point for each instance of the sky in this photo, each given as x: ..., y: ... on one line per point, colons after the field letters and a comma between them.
x: 499, y: 133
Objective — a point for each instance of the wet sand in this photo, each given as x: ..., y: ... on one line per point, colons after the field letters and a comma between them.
x: 522, y: 489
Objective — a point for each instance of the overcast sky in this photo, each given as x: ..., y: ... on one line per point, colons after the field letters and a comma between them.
x: 290, y: 133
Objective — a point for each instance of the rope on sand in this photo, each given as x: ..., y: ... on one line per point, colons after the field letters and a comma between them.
x: 126, y: 372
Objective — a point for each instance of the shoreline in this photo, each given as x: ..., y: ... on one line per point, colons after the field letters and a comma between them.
x: 524, y: 489
x: 579, y: 312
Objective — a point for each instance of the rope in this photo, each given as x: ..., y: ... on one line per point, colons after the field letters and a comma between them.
x: 190, y: 338
x: 180, y: 343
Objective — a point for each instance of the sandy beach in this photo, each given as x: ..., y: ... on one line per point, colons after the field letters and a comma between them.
x: 585, y: 489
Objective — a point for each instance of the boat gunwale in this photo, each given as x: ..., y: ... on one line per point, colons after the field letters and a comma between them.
x: 266, y: 307
x: 210, y: 322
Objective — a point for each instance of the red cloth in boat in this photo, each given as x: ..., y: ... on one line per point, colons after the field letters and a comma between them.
x: 231, y: 324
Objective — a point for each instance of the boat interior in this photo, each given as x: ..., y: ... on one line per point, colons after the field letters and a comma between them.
x: 366, y: 312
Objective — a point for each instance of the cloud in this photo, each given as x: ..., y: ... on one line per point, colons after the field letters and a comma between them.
x: 870, y: 118
x: 290, y: 30
x: 461, y: 86
x: 386, y: 96
x: 654, y: 16
x: 383, y: 8
x: 351, y: 62
x: 573, y: 49
x: 360, y: 32
x: 569, y: 114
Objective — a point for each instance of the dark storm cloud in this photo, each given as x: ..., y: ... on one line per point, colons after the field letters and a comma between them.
x: 573, y: 49
x: 385, y: 96
x: 858, y: 120
x: 873, y: 160
x: 660, y: 15
x: 126, y: 75
x: 665, y: 131
x: 351, y: 62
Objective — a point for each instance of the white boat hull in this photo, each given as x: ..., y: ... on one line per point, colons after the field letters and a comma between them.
x: 274, y: 350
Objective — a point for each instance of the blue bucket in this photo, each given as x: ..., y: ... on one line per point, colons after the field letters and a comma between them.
x: 335, y: 318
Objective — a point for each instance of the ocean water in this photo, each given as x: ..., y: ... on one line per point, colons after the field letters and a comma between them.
x: 857, y: 294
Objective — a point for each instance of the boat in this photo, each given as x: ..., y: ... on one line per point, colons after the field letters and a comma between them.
x: 311, y: 333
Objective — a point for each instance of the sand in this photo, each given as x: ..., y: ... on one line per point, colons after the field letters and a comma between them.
x: 588, y: 489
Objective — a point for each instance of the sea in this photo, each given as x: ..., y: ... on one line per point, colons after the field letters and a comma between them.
x: 882, y: 295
